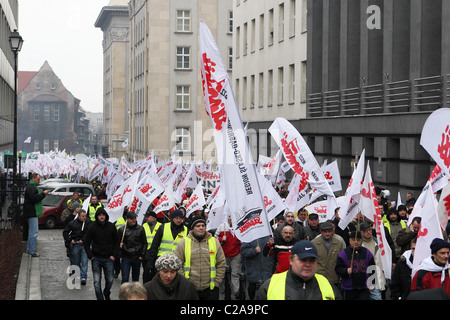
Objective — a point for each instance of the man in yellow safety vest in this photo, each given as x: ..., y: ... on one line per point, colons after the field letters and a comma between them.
x: 300, y: 282
x: 151, y: 226
x: 93, y: 207
x: 203, y: 260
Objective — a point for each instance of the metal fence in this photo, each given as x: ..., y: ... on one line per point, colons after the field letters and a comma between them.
x: 11, y: 200
x: 423, y: 94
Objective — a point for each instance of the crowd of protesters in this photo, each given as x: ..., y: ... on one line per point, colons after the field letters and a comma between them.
x: 179, y: 258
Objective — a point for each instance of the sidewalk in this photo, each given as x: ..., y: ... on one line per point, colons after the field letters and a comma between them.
x: 45, y: 277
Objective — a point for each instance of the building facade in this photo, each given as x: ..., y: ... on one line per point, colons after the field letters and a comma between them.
x: 113, y: 20
x: 8, y: 22
x: 269, y: 63
x: 167, y: 111
x: 49, y: 114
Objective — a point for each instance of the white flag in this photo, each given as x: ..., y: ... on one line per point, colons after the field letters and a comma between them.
x: 369, y: 207
x: 189, y: 181
x: 166, y: 202
x: 196, y: 201
x: 27, y: 140
x: 272, y: 200
x: 298, y: 196
x: 238, y: 171
x: 443, y: 208
x: 429, y: 229
x: 125, y: 143
x: 351, y: 205
x: 122, y: 197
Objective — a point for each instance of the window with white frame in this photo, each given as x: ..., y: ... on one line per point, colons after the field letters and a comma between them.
x: 56, y: 113
x: 230, y: 21
x: 55, y: 145
x: 230, y: 58
x: 183, y: 140
x: 183, y: 57
x: 36, y: 113
x: 46, y: 113
x: 46, y: 145
x: 183, y: 98
x: 36, y: 145
x: 183, y: 20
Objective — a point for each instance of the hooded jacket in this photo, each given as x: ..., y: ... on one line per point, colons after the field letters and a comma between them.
x: 101, y: 239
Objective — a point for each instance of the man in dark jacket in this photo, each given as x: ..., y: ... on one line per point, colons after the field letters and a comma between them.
x: 401, y: 275
x: 280, y: 249
x: 101, y: 245
x: 133, y: 245
x: 73, y: 235
x: 32, y: 211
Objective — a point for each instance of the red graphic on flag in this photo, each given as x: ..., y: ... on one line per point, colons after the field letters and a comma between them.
x: 444, y: 147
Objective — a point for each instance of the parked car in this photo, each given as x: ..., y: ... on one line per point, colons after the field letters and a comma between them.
x: 83, y: 189
x: 53, y: 205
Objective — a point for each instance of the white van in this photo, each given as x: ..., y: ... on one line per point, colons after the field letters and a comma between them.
x: 83, y: 189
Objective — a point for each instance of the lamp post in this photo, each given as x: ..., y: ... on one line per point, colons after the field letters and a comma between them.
x: 16, y: 42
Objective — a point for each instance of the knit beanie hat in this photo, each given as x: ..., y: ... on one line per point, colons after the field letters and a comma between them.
x: 438, y: 244
x: 177, y: 213
x: 168, y: 261
x: 197, y: 219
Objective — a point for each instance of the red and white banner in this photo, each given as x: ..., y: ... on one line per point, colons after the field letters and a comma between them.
x: 443, y: 208
x: 369, y: 207
x: 298, y: 196
x: 166, y: 202
x: 350, y: 206
x: 333, y: 176
x: 189, y: 181
x: 269, y: 166
x: 302, y: 161
x: 436, y: 138
x: 196, y: 201
x: 272, y: 200
x: 122, y: 197
x: 147, y: 190
x: 429, y: 229
x: 238, y: 175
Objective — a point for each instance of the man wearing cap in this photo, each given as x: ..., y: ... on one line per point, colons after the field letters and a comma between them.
x: 166, y: 239
x: 168, y: 284
x: 351, y: 266
x: 434, y: 271
x: 133, y: 245
x: 301, y: 281
x: 328, y: 248
x: 203, y: 260
x: 312, y: 229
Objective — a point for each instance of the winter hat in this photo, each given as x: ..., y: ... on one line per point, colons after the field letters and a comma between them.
x: 438, y: 244
x: 197, y: 219
x: 177, y: 213
x: 76, y: 205
x: 168, y: 261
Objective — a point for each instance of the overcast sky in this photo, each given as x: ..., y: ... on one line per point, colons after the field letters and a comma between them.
x: 63, y: 33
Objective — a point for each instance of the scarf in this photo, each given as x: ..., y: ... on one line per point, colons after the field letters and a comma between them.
x: 429, y: 265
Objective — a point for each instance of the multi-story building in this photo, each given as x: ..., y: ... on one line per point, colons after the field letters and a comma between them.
x: 49, y: 114
x: 8, y: 22
x: 167, y: 112
x: 95, y: 132
x: 269, y: 65
x: 113, y: 20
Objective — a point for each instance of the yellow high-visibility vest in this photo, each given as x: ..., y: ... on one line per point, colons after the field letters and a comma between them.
x: 168, y: 243
x: 149, y: 234
x: 120, y: 223
x: 92, y: 210
x: 277, y: 287
x: 212, y: 259
x: 388, y: 225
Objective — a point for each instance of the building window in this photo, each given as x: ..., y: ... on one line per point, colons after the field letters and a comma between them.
x: 252, y: 91
x: 230, y: 58
x: 56, y: 113
x: 291, y: 83
x: 55, y: 145
x: 46, y: 113
x: 261, y: 31
x: 245, y: 38
x: 292, y: 14
x: 183, y: 98
x: 280, y: 99
x: 281, y: 22
x: 230, y: 21
x: 270, y: 42
x: 183, y: 20
x: 36, y: 145
x: 46, y: 145
x: 36, y: 113
x: 183, y: 57
x: 238, y: 42
x: 303, y: 82
x: 183, y: 140
x: 270, y: 89
x: 261, y: 90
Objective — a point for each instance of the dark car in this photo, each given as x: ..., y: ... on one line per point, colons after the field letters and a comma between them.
x: 53, y: 205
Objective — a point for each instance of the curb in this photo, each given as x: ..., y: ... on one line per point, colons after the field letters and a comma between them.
x: 29, y: 282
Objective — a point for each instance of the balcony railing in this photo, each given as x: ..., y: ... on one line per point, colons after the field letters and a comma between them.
x: 423, y: 94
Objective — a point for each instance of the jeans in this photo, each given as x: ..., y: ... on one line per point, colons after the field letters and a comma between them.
x: 133, y: 265
x: 79, y: 258
x: 107, y: 265
x: 33, y: 229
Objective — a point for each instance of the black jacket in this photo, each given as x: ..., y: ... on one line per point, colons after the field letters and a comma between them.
x: 101, y: 239
x: 72, y: 231
x: 134, y: 242
x: 32, y: 196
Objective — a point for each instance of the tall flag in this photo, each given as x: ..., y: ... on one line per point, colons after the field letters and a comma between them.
x: 300, y: 158
x: 435, y: 138
x: 443, y: 208
x: 369, y: 206
x: 196, y: 201
x: 122, y: 197
x: 238, y: 177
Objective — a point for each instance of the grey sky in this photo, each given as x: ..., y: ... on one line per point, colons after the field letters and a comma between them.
x: 63, y: 33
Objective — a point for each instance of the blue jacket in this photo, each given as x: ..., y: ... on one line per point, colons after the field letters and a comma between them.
x: 257, y: 267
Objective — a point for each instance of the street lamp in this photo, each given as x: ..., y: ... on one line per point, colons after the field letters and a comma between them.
x: 16, y: 42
